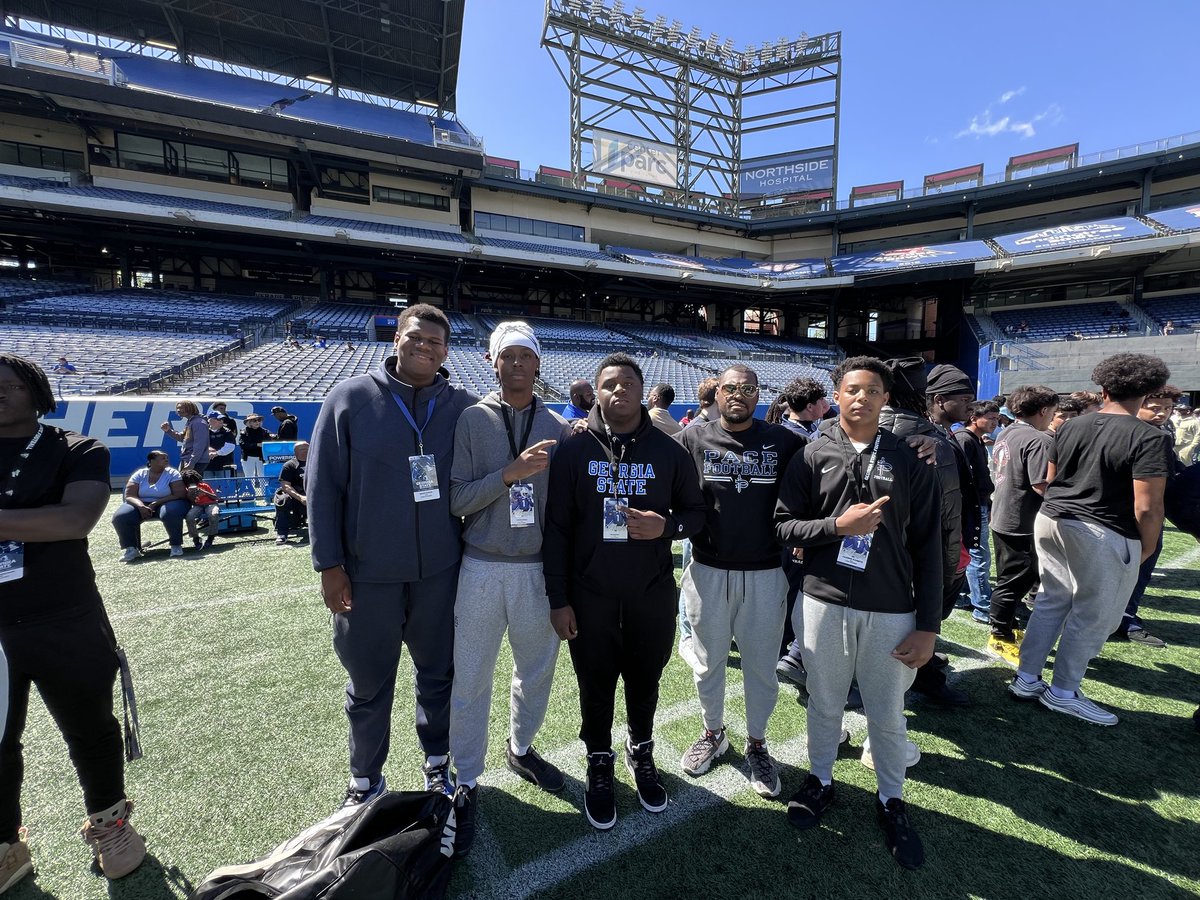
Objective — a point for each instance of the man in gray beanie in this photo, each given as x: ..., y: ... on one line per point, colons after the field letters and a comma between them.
x: 502, y: 449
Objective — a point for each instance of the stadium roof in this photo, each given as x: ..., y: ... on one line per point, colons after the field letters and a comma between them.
x: 403, y: 49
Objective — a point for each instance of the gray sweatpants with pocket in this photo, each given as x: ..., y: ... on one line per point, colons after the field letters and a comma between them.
x: 1088, y: 572
x: 841, y: 644
x: 750, y: 607
x: 495, y: 597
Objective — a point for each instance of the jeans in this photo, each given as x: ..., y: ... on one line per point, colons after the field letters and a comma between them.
x: 127, y: 520
x: 978, y: 571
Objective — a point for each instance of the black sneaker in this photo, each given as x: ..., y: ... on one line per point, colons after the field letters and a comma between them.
x: 208, y: 542
x: 599, y: 798
x: 809, y: 803
x: 901, y: 838
x: 356, y: 797
x: 466, y: 807
x: 534, y: 769
x: 639, y: 760
x: 791, y: 669
x: 437, y: 778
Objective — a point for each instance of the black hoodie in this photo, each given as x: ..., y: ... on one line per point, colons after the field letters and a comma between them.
x: 904, y: 573
x: 655, y: 473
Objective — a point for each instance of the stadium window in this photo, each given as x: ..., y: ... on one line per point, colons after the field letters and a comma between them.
x: 205, y: 163
x: 344, y: 184
x: 252, y: 170
x: 530, y: 227
x: 411, y: 198
x: 141, y: 154
x: 37, y: 157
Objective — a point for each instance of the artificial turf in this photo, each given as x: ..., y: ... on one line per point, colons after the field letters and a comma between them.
x: 240, y: 697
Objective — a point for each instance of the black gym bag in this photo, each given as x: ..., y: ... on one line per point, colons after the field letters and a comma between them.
x: 397, y: 846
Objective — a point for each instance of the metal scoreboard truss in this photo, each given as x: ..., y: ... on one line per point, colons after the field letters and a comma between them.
x: 642, y: 90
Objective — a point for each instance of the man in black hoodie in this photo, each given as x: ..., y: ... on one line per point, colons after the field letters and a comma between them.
x: 620, y: 492
x: 868, y: 514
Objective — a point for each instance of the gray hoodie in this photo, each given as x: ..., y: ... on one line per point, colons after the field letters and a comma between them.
x: 477, y: 490
x: 361, y: 511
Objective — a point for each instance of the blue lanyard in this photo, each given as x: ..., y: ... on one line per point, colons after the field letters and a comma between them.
x: 413, y: 422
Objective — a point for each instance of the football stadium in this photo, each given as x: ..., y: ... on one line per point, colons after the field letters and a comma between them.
x: 214, y: 214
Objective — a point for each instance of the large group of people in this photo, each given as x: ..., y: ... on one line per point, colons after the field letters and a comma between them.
x: 828, y: 542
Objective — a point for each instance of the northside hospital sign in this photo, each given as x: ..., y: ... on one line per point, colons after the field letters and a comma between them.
x: 787, y: 173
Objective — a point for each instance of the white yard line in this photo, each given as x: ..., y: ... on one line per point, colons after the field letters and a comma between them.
x: 1186, y: 560
x: 492, y: 877
x: 258, y: 596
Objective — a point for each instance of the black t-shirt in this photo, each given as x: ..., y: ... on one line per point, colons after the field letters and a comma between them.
x: 288, y: 429
x: 292, y: 473
x: 1097, y: 458
x: 740, y: 473
x: 59, y: 580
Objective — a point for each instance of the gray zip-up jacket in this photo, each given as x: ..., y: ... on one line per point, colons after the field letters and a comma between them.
x: 477, y: 489
x: 361, y: 510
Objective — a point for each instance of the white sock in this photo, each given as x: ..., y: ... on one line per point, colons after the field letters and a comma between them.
x: 437, y: 760
x: 468, y: 784
x: 1028, y: 679
x: 360, y: 784
x: 518, y: 749
x: 1061, y: 694
x: 825, y: 782
x: 884, y: 800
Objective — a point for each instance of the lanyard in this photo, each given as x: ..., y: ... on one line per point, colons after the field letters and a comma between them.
x: 24, y: 455
x: 413, y: 422
x: 862, y: 482
x: 613, y: 460
x: 511, y: 426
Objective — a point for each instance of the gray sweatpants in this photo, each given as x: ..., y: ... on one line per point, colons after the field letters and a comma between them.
x: 1088, y: 572
x: 494, y: 597
x: 841, y: 644
x: 751, y: 607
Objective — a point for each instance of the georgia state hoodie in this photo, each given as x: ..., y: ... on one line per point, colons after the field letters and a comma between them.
x: 654, y: 472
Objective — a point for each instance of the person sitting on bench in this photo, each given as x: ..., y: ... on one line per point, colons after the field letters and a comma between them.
x: 155, y: 491
x: 203, y: 498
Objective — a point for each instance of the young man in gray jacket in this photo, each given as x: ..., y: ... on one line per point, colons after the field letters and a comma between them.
x: 502, y: 450
x: 386, y: 544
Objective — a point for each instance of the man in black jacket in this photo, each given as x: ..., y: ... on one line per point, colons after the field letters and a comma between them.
x: 982, y: 419
x: 619, y: 492
x: 289, y: 429
x: 867, y: 513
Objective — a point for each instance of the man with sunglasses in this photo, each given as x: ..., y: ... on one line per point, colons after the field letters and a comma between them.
x: 734, y: 586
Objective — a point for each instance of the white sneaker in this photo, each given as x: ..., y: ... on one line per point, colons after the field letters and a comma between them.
x: 701, y: 755
x: 1078, y: 706
x: 764, y: 774
x: 911, y: 758
x: 1024, y: 690
x: 130, y: 554
x: 176, y: 551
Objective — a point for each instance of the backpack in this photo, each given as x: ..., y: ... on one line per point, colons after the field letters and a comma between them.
x: 397, y: 846
x: 1182, y: 500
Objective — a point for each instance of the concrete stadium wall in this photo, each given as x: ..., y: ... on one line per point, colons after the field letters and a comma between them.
x: 1068, y: 364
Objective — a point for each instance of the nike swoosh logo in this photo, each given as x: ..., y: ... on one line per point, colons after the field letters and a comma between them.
x: 829, y: 468
x: 767, y: 446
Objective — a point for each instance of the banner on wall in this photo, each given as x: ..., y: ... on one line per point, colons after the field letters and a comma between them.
x: 1183, y: 218
x: 786, y: 173
x: 1085, y: 234
x: 909, y: 257
x: 619, y: 156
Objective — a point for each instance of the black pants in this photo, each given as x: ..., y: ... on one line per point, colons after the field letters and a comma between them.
x: 292, y: 515
x: 628, y: 637
x: 794, y: 570
x: 1016, y: 574
x: 931, y: 677
x: 73, y: 663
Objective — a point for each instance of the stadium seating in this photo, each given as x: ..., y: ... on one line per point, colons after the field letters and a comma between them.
x: 461, y: 328
x: 583, y: 251
x: 568, y: 333
x: 1054, y: 323
x: 110, y: 361
x: 16, y: 290
x: 149, y: 310
x: 427, y: 234
x: 1183, y: 312
x: 145, y: 198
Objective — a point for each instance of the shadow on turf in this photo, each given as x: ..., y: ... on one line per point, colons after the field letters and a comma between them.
x: 149, y: 882
x: 1087, y: 783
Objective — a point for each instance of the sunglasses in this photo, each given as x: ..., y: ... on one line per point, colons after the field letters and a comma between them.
x: 746, y: 390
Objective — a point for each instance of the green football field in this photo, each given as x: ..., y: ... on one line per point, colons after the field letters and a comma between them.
x: 244, y: 735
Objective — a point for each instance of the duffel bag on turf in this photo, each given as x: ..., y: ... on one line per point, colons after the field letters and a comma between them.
x: 1182, y: 500
x: 397, y: 846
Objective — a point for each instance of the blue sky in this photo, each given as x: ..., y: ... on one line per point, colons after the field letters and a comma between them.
x: 926, y: 86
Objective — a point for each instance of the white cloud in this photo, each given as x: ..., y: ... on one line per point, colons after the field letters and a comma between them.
x: 984, y: 125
